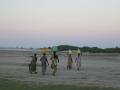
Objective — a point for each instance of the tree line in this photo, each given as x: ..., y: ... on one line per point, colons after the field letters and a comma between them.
x: 89, y: 49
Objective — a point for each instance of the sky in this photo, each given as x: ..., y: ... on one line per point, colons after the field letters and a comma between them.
x: 43, y: 23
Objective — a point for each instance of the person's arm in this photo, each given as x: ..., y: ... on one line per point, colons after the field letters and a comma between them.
x: 76, y: 60
x: 51, y: 57
x: 80, y: 57
x: 47, y: 61
x: 58, y: 59
x: 40, y: 58
x: 71, y: 59
x: 35, y: 59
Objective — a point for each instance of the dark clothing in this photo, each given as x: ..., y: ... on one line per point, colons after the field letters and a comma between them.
x: 44, y: 62
x: 69, y: 64
x: 54, y: 59
x: 32, y: 65
x: 35, y: 59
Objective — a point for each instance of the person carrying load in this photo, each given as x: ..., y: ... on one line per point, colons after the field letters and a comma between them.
x: 70, y: 61
x: 78, y: 60
x: 54, y: 60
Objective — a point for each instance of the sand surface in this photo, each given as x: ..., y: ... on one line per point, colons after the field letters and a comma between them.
x: 100, y: 70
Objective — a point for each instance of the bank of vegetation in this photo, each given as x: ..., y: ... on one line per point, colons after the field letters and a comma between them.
x: 89, y: 49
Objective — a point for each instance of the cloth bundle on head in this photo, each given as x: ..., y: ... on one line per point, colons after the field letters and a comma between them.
x: 55, y: 49
x: 34, y: 51
x: 78, y: 51
x: 69, y: 52
x: 45, y: 50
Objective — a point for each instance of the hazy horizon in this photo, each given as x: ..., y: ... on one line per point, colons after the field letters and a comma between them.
x: 44, y: 23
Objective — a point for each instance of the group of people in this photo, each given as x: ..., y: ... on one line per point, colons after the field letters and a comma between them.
x: 77, y: 60
x: 44, y: 62
x: 54, y: 61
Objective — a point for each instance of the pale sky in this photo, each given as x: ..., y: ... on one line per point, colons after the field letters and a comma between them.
x: 42, y: 23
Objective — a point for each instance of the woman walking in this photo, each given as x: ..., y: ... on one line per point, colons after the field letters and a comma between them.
x: 70, y: 61
x: 32, y: 65
x: 78, y: 60
x: 54, y: 60
x: 44, y: 63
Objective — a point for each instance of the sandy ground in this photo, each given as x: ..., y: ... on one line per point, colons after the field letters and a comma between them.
x: 98, y: 70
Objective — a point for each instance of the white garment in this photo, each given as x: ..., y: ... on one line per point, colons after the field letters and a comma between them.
x: 78, y: 62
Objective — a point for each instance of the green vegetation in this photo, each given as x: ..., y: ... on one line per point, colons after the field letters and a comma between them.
x: 17, y: 85
x: 67, y: 47
x: 89, y: 49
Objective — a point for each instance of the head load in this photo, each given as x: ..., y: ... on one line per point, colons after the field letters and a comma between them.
x: 54, y: 49
x: 44, y: 50
x: 78, y: 51
x: 34, y: 51
x: 69, y: 52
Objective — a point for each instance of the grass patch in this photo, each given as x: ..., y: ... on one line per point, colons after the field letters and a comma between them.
x: 17, y: 85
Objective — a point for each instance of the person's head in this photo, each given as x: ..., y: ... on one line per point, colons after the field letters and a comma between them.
x: 54, y: 53
x: 69, y: 54
x: 35, y: 54
x: 44, y: 54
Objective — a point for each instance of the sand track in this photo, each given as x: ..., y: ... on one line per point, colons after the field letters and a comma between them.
x: 96, y: 70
